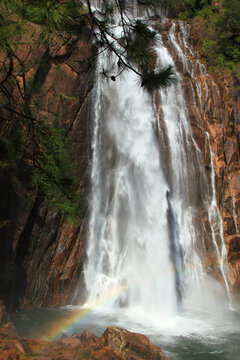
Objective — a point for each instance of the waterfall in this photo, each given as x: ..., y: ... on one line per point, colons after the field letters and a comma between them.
x: 147, y: 237
x: 128, y: 225
x: 198, y: 73
x: 215, y: 218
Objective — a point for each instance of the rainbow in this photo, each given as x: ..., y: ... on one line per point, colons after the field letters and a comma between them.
x: 76, y: 314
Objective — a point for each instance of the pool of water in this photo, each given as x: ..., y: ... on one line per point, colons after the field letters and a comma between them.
x: 190, y: 335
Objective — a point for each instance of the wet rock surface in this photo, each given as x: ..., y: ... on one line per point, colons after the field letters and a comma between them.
x: 114, y: 344
x: 213, y: 106
x: 40, y: 255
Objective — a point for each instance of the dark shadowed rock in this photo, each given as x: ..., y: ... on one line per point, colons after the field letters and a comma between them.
x: 40, y: 255
x: 7, y: 328
x: 4, y: 317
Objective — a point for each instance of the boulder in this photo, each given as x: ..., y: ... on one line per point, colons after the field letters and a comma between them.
x: 114, y: 344
x: 130, y: 345
x: 4, y: 317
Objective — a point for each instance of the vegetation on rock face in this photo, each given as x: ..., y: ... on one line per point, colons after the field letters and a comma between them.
x: 32, y: 147
x: 185, y: 8
x: 221, y: 34
x: 220, y: 28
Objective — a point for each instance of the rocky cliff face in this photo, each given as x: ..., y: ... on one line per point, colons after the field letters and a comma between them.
x: 214, y: 109
x: 41, y: 256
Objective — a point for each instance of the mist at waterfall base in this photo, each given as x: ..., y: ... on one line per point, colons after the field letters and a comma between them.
x: 190, y: 335
x: 147, y: 266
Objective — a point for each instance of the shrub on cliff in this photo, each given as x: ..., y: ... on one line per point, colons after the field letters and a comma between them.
x: 185, y: 9
x: 220, y: 36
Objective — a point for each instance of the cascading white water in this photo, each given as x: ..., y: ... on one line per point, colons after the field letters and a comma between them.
x: 199, y: 70
x: 215, y: 218
x: 128, y: 225
x: 146, y: 248
x: 189, y: 189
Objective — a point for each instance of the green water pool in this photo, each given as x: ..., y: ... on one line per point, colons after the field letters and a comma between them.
x: 189, y: 336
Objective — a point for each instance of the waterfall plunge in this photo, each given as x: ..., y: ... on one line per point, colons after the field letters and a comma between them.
x: 128, y: 225
x: 146, y: 249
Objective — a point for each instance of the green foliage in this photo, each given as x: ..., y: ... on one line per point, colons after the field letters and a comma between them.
x: 135, y: 46
x: 210, y: 49
x: 228, y: 30
x: 185, y: 9
x: 54, y: 173
x: 71, y: 17
x: 9, y: 28
x: 221, y: 41
x: 221, y: 28
x: 30, y: 147
x: 66, y: 97
x: 139, y: 46
x: 153, y: 79
x: 52, y: 15
x: 42, y: 160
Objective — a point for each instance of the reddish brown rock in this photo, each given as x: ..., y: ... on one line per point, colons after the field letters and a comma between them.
x: 106, y: 354
x: 7, y: 328
x: 235, y: 181
x: 4, y: 317
x: 71, y: 343
x: 40, y: 255
x: 90, y: 340
x: 217, y: 112
x: 130, y: 345
x: 231, y: 152
x: 21, y: 345
x: 114, y: 344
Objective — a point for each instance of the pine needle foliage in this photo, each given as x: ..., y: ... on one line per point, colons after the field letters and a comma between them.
x: 38, y: 154
x: 30, y: 146
x: 153, y: 79
x: 54, y: 174
x: 135, y: 47
x: 139, y: 46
